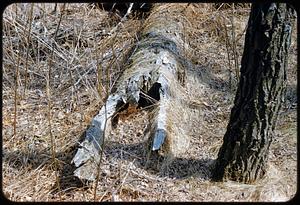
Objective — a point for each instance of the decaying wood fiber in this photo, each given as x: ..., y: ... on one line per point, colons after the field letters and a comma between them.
x: 155, y: 74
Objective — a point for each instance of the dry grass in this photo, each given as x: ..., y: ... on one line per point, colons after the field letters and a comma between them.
x: 87, y: 60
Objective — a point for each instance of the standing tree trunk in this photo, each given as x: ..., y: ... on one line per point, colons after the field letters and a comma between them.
x: 244, y: 154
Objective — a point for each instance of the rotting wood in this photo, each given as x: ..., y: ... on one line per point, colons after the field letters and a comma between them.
x: 157, y: 69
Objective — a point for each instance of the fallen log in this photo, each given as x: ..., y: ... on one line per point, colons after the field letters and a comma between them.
x: 155, y: 75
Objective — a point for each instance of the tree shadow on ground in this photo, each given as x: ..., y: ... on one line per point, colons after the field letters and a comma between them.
x: 164, y: 166
x: 67, y: 180
x: 177, y: 168
x: 291, y: 96
x: 37, y: 159
x: 206, y: 76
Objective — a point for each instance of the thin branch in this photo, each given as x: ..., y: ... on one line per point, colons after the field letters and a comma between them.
x: 28, y: 46
x: 16, y: 93
x: 101, y: 153
x: 236, y: 63
x: 112, y: 31
x: 48, y: 87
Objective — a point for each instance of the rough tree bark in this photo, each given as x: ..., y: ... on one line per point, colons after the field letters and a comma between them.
x: 156, y: 70
x: 244, y: 154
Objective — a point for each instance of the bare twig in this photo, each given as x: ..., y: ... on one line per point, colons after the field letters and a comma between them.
x: 99, y: 69
x: 28, y: 46
x: 33, y: 34
x: 112, y: 31
x: 54, y: 39
x: 48, y: 87
x: 74, y: 87
x: 16, y: 93
x: 101, y: 153
x: 227, y: 45
x: 125, y: 177
x: 234, y: 49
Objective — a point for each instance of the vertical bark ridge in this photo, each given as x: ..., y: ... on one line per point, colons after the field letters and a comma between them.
x: 244, y: 154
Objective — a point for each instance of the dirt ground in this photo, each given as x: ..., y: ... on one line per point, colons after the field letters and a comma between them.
x: 42, y: 113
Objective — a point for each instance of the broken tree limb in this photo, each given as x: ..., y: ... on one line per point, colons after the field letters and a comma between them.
x: 156, y: 68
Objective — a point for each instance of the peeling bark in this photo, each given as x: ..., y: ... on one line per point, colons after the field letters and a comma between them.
x: 156, y: 68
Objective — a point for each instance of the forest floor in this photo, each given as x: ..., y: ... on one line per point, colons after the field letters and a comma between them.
x: 83, y: 41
